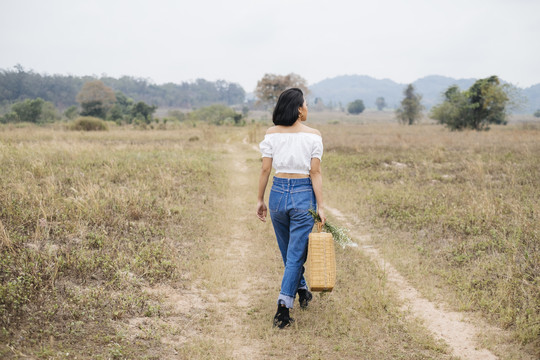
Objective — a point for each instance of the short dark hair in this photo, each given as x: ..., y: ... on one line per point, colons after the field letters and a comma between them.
x: 286, y: 110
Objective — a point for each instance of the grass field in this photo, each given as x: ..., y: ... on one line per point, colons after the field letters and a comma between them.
x: 459, y: 208
x: 144, y: 244
x: 85, y: 221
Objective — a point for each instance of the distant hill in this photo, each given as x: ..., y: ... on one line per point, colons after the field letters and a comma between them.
x: 533, y: 95
x: 347, y: 88
x: 431, y: 87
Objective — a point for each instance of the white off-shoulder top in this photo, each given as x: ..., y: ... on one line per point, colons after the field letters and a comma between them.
x: 292, y: 152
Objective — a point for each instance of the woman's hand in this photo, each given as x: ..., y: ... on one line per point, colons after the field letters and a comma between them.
x: 261, y: 211
x: 320, y: 211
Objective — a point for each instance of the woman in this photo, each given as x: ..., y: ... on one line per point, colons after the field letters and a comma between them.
x: 295, y: 151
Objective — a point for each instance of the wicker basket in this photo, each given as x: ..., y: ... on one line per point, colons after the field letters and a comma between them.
x: 321, y: 261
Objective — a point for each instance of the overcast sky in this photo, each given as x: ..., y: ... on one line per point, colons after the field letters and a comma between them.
x: 241, y: 40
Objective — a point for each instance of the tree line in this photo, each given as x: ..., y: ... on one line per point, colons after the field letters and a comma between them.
x: 32, y: 97
x: 98, y: 102
x: 485, y: 103
x: 19, y: 84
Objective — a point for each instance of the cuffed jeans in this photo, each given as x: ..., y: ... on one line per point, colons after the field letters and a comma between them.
x: 289, y: 202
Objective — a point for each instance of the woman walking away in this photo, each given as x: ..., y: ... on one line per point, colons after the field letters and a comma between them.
x: 295, y: 151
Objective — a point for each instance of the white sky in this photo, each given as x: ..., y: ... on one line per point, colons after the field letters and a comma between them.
x: 241, y: 40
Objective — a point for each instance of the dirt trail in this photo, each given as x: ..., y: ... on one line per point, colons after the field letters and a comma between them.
x: 449, y: 326
x: 236, y: 255
x: 446, y: 325
x: 213, y: 309
x: 225, y: 290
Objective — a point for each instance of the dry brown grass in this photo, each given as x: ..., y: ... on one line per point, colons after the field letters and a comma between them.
x: 361, y: 318
x: 92, y: 219
x: 456, y: 210
x: 144, y: 244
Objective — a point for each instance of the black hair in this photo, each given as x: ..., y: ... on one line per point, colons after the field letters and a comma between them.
x: 286, y: 110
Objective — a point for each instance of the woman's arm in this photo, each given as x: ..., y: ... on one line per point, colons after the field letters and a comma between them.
x: 266, y: 168
x: 316, y: 180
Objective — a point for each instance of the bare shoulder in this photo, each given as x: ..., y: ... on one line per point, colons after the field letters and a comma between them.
x: 311, y: 130
x: 272, y: 130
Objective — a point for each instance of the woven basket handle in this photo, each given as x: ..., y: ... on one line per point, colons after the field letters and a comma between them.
x: 319, y: 226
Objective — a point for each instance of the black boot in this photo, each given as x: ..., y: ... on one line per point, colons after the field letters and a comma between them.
x: 282, y: 318
x: 304, y: 296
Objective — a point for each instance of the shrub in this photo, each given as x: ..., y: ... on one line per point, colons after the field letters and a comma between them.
x: 356, y: 107
x: 143, y: 112
x: 483, y: 104
x: 71, y: 112
x: 88, y: 123
x: 177, y: 114
x: 36, y: 111
x: 217, y: 114
x: 537, y: 113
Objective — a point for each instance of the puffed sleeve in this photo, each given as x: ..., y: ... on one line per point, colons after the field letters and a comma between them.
x: 266, y: 147
x: 317, y: 149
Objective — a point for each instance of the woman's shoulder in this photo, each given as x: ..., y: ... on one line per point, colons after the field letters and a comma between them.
x: 311, y: 130
x: 272, y: 130
x: 303, y: 129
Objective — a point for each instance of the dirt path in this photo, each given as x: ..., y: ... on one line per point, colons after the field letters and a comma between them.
x: 208, y: 319
x: 235, y: 256
x: 224, y: 293
x: 449, y: 326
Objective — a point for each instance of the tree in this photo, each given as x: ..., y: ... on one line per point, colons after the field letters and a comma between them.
x: 484, y: 103
x: 143, y: 111
x: 410, y: 110
x: 96, y: 99
x: 71, y: 112
x: 121, y: 110
x: 32, y: 110
x: 454, y: 110
x: 380, y: 103
x: 356, y: 107
x: 271, y: 86
x: 18, y: 83
x: 28, y: 110
x: 537, y: 113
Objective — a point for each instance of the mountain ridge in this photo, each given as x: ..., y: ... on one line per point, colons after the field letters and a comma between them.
x: 346, y: 88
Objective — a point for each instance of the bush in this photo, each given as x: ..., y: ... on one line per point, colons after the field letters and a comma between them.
x: 217, y: 115
x: 483, y: 104
x: 88, y: 123
x: 537, y: 113
x: 37, y: 111
x: 71, y: 112
x: 143, y: 112
x: 177, y: 114
x: 356, y: 107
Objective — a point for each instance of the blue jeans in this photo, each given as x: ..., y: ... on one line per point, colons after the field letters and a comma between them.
x: 289, y: 202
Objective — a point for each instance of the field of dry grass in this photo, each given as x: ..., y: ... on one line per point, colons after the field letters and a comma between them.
x: 144, y: 243
x: 89, y: 219
x: 456, y: 212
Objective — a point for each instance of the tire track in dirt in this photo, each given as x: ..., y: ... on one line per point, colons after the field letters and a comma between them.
x: 450, y: 326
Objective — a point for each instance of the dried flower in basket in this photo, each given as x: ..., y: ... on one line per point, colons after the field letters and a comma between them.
x: 339, y: 233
